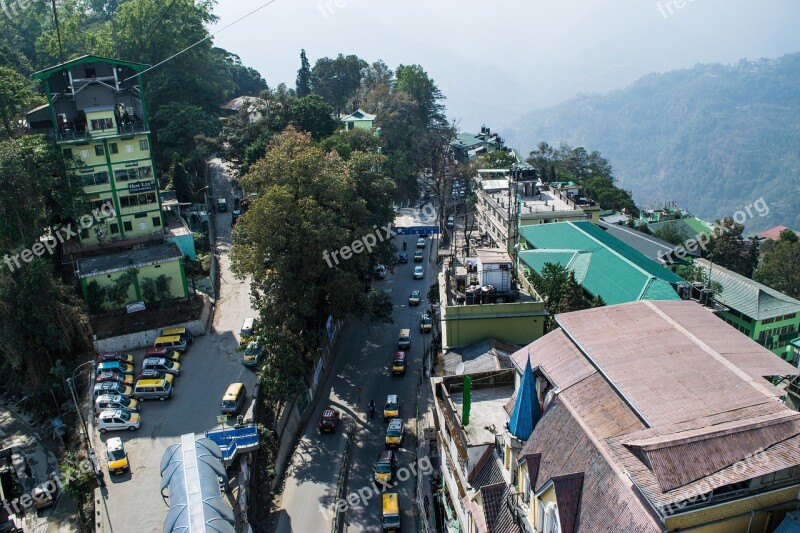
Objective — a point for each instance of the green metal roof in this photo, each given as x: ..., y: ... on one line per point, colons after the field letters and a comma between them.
x: 603, y: 264
x: 749, y: 297
x: 42, y: 74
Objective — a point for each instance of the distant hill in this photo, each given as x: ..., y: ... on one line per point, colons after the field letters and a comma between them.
x: 713, y: 138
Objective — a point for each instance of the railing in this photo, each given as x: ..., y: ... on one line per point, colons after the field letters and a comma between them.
x: 73, y: 135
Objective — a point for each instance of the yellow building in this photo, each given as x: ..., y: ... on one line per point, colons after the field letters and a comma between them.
x: 98, y: 115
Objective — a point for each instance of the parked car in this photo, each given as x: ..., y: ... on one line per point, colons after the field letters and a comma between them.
x: 330, y: 417
x: 419, y: 256
x: 116, y: 457
x: 402, y: 257
x: 425, y: 323
x: 112, y: 387
x: 421, y: 242
x: 116, y: 401
x: 181, y: 332
x: 115, y: 366
x: 451, y: 221
x: 150, y: 373
x: 165, y: 353
x: 252, y: 354
x: 247, y: 329
x: 127, y: 379
x: 164, y: 365
x: 44, y: 494
x: 418, y: 272
x: 414, y: 299
x: 117, y: 420
x: 380, y: 271
x: 105, y: 357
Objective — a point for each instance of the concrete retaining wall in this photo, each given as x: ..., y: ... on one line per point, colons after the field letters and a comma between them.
x: 145, y: 339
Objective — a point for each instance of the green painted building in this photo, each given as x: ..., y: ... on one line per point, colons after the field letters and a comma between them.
x: 359, y: 120
x: 98, y: 115
x: 150, y: 263
x: 765, y: 315
x: 603, y: 264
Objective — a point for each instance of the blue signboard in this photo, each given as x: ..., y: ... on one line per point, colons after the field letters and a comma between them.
x: 416, y: 230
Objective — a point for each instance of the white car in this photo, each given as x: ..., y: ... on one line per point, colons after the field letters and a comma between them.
x: 118, y: 419
x: 418, y: 272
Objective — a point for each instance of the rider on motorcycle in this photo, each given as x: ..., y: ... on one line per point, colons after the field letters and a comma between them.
x: 404, y: 245
x: 371, y: 406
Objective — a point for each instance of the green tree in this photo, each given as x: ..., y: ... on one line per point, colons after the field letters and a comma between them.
x: 726, y: 247
x: 598, y: 301
x: 118, y: 291
x: 337, y: 80
x: 672, y: 232
x: 96, y: 297
x: 16, y: 97
x: 574, y: 298
x: 379, y: 306
x: 303, y: 83
x: 345, y: 142
x: 780, y: 266
x: 498, y: 159
x: 180, y: 125
x: 311, y: 114
x: 415, y: 82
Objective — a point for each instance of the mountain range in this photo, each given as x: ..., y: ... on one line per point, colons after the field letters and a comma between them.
x: 713, y: 139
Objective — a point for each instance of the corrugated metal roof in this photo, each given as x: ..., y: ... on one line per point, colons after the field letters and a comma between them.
x: 603, y: 264
x: 649, y: 246
x: 790, y: 524
x: 749, y: 297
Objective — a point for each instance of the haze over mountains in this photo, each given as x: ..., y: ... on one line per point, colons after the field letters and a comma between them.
x: 713, y: 138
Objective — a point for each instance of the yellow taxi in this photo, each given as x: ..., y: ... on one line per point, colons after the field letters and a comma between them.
x: 394, y: 433
x: 392, y: 407
x: 116, y: 456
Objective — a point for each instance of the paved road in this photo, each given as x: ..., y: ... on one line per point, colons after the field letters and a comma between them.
x: 363, y: 359
x: 132, y: 502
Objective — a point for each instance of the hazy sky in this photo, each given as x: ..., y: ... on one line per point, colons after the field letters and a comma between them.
x: 495, y: 60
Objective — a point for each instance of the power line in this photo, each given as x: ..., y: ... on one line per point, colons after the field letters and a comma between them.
x: 159, y: 21
x: 207, y: 37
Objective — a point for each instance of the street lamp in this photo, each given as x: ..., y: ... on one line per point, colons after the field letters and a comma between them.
x: 71, y: 385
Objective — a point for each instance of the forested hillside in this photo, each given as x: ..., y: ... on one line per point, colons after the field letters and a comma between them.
x: 713, y: 138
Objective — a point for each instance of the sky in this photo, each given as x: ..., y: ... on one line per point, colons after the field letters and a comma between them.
x: 496, y: 60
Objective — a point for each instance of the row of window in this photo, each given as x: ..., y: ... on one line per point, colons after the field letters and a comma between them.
x: 776, y: 345
x: 737, y: 314
x: 779, y: 318
x: 125, y: 174
x: 737, y: 326
x: 101, y: 123
x: 133, y: 200
x: 128, y: 225
x: 113, y: 148
x: 777, y: 331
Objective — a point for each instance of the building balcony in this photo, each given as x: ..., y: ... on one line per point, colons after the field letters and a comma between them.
x: 72, y: 136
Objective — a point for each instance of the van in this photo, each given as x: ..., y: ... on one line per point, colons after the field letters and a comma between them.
x: 183, y: 333
x: 404, y: 343
x: 171, y: 342
x: 247, y: 329
x: 154, y: 389
x: 399, y: 364
x: 233, y: 399
x: 391, y: 513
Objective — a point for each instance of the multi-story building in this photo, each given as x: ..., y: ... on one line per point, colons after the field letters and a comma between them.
x: 98, y: 114
x: 765, y: 315
x: 649, y: 416
x: 505, y: 203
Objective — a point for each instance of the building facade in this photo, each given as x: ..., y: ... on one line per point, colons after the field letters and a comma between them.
x: 98, y: 116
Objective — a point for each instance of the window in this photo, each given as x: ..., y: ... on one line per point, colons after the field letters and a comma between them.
x: 67, y: 152
x: 128, y: 225
x: 551, y: 520
x: 98, y: 178
x: 98, y: 149
x: 142, y: 226
x: 156, y: 222
x: 140, y: 215
x: 102, y: 124
x: 129, y: 148
x: 112, y: 148
x: 137, y: 199
x: 114, y: 229
x: 143, y: 144
x: 85, y: 154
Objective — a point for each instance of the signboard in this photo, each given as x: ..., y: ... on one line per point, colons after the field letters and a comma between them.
x: 142, y: 186
x: 6, y: 452
x: 416, y: 230
x: 222, y: 419
x: 132, y: 164
x: 135, y: 307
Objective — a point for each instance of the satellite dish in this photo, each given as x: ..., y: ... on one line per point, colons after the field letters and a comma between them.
x: 460, y: 369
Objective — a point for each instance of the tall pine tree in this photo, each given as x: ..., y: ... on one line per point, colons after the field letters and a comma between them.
x: 303, y: 76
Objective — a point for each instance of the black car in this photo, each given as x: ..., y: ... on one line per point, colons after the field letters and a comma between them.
x: 402, y: 257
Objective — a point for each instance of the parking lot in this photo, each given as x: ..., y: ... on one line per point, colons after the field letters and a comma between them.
x: 132, y: 502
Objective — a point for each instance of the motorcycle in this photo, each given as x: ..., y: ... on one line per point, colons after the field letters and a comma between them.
x: 404, y: 245
x: 371, y: 411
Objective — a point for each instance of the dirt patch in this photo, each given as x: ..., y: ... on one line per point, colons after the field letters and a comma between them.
x: 121, y: 323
